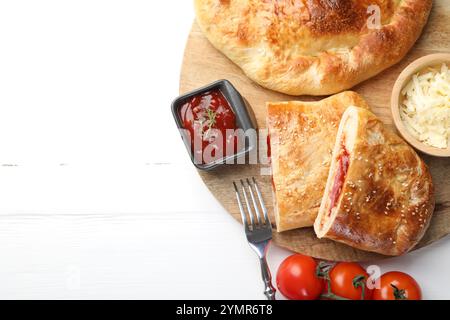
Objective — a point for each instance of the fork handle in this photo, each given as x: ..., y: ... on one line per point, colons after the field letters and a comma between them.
x: 269, y: 290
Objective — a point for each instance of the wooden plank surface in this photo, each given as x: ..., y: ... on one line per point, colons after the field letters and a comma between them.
x: 204, y: 64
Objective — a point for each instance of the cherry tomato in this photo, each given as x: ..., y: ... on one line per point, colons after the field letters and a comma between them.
x: 297, y: 280
x: 397, y: 286
x: 348, y: 281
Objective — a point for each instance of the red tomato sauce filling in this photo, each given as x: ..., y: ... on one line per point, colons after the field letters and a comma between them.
x: 269, y: 148
x: 339, y: 179
x: 269, y: 157
x: 208, y: 117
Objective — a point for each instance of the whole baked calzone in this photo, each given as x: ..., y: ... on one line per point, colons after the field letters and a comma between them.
x: 379, y: 194
x: 302, y: 136
x: 315, y: 47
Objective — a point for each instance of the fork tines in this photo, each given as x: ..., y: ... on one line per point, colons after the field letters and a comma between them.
x: 255, y: 219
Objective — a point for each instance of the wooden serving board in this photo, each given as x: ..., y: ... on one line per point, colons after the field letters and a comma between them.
x: 204, y: 64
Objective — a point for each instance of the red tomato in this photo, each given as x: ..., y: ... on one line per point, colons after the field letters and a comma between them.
x: 297, y: 280
x: 348, y: 280
x: 397, y: 286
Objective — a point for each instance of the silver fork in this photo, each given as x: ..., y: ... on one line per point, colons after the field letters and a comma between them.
x: 258, y: 228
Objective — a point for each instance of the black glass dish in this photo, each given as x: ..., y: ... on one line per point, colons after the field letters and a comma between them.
x: 244, y: 121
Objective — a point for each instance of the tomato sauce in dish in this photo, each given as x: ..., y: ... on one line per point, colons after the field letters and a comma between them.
x: 339, y: 179
x: 209, y: 119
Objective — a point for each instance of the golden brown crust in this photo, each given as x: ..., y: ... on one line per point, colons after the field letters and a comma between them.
x: 314, y: 47
x: 302, y: 136
x: 387, y: 201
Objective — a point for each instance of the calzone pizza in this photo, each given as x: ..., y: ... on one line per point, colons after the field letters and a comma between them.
x: 379, y: 193
x: 315, y: 47
x: 302, y: 136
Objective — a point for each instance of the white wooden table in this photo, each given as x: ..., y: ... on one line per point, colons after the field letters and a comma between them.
x: 98, y: 198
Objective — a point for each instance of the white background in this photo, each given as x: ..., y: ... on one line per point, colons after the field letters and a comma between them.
x: 98, y: 198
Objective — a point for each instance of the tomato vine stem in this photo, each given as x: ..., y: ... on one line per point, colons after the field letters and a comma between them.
x: 399, y: 294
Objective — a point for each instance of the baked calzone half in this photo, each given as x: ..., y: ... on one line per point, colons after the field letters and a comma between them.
x: 379, y: 194
x: 314, y: 47
x: 302, y: 136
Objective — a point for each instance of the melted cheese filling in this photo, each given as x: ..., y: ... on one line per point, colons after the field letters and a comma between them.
x: 338, y: 172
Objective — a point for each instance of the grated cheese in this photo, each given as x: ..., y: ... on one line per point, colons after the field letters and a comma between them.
x: 426, y: 108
